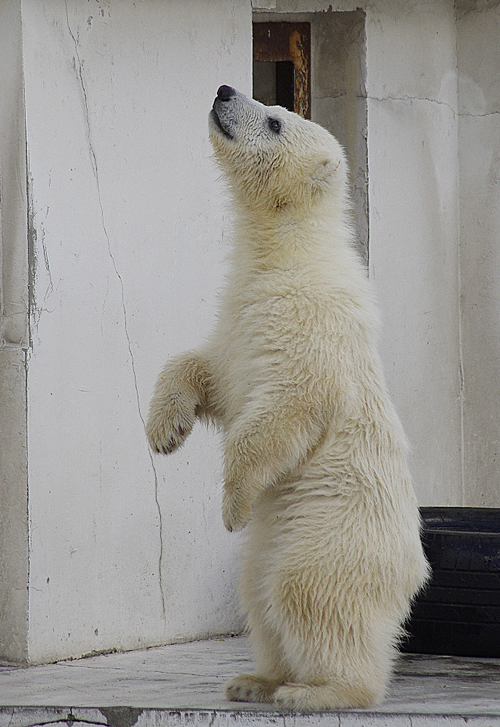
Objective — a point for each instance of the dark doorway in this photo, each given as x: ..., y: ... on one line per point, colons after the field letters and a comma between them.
x: 282, y: 65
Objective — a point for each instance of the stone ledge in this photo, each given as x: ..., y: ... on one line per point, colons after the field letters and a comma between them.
x: 183, y: 684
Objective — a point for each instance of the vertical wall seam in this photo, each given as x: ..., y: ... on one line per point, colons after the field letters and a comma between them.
x: 461, y: 371
x: 28, y: 517
x: 28, y: 340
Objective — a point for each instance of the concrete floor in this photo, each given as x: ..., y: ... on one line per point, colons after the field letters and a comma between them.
x: 183, y: 684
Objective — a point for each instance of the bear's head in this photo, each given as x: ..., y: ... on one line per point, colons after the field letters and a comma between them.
x: 274, y: 159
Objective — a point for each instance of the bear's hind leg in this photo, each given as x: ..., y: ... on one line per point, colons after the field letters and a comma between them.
x: 269, y: 672
x: 339, y: 651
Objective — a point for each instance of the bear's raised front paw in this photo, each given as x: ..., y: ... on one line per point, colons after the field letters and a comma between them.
x: 169, y: 422
x: 250, y: 688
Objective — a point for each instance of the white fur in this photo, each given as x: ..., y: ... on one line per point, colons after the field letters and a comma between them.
x: 315, y: 456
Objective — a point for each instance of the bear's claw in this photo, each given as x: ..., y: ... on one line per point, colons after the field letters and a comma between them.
x: 169, y: 424
x: 250, y: 688
x: 235, y: 512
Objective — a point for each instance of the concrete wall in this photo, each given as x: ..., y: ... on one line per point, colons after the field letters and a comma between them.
x: 122, y: 212
x: 126, y: 249
x: 412, y: 103
x: 14, y: 564
x: 478, y: 30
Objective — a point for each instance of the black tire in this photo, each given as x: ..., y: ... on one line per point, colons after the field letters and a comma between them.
x: 459, y: 612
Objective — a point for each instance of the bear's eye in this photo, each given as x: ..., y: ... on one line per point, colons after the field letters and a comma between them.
x: 274, y: 125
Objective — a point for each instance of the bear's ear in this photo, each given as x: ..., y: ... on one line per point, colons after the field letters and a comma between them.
x: 323, y: 171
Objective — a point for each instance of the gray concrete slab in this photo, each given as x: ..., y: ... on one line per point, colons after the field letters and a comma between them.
x: 183, y: 684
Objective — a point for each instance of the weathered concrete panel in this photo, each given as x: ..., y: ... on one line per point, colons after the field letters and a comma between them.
x: 13, y: 340
x: 13, y: 222
x: 479, y: 126
x: 413, y: 138
x: 13, y: 507
x: 127, y: 218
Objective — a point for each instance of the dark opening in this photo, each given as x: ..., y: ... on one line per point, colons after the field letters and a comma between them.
x: 281, y: 69
x: 284, y: 84
x: 273, y: 83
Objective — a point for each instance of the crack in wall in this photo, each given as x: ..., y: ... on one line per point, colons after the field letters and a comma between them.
x: 78, y: 66
x: 39, y: 241
x: 36, y: 241
x: 407, y: 98
x: 32, y: 258
x: 50, y: 284
x: 479, y: 116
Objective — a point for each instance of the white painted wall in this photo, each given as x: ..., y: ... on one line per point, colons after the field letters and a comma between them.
x: 479, y: 135
x: 412, y: 104
x: 127, y: 241
x: 127, y: 255
x: 13, y: 342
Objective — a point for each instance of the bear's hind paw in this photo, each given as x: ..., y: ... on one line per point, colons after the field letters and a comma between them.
x: 250, y: 688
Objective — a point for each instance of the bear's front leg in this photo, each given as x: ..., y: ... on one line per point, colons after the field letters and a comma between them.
x: 237, y: 502
x: 182, y: 392
x: 262, y: 448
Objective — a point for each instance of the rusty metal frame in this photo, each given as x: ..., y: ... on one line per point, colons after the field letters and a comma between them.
x: 288, y: 42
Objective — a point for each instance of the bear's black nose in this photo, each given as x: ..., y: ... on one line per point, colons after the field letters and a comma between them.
x: 225, y: 93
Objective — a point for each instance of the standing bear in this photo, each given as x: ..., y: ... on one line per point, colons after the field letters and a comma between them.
x: 314, y: 453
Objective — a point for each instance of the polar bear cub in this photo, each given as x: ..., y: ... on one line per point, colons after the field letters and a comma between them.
x: 315, y: 457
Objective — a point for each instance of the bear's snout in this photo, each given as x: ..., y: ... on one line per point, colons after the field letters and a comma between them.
x: 224, y: 93
x: 223, y: 113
